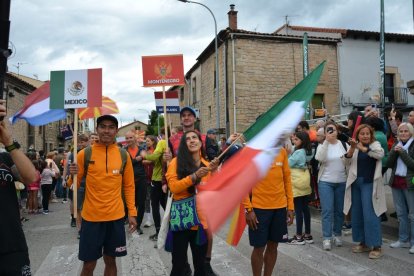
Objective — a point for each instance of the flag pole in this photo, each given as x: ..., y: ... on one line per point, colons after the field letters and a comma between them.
x: 165, y: 117
x: 232, y: 144
x: 75, y: 158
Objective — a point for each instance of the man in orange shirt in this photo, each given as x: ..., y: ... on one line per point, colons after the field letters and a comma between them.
x: 269, y: 210
x: 102, y: 231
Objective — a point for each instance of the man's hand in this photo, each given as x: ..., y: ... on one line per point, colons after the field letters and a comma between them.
x: 73, y: 168
x: 251, y: 220
x: 132, y: 224
x: 289, y: 217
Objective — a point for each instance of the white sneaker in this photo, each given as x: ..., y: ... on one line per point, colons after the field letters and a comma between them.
x: 400, y: 244
x: 327, y: 245
x: 337, y: 241
x: 411, y: 250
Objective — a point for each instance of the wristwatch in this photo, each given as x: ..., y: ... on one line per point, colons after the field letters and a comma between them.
x: 13, y: 146
x: 248, y: 210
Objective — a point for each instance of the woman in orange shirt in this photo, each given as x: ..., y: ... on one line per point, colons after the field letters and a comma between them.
x: 185, y: 172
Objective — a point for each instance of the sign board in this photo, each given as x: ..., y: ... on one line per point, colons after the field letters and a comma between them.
x: 76, y: 88
x: 165, y: 70
x: 172, y: 102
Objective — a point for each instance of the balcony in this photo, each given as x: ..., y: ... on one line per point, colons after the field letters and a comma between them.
x: 396, y: 95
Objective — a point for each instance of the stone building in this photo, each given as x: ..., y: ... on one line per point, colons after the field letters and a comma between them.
x: 46, y: 137
x: 255, y: 71
x: 136, y: 125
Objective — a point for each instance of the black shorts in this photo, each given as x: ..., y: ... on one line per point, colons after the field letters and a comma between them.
x: 272, y: 226
x: 15, y: 263
x: 102, y: 237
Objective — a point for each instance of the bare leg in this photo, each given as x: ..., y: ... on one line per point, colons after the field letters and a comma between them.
x: 110, y: 266
x: 257, y: 260
x: 270, y: 258
x: 88, y: 268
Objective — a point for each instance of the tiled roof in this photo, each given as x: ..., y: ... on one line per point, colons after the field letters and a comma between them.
x: 33, y: 82
x: 313, y: 29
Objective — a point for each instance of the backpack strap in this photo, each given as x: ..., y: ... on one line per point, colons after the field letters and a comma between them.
x: 124, y: 157
x: 344, y: 145
x: 86, y: 158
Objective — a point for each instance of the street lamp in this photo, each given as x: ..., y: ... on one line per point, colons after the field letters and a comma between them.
x: 216, y: 64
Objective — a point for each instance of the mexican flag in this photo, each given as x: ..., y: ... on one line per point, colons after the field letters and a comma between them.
x: 226, y: 189
x: 76, y: 88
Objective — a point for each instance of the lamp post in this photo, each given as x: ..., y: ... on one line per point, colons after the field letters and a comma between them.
x: 216, y: 63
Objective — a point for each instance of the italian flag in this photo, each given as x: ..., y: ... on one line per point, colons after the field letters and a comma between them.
x: 226, y: 189
x: 76, y: 88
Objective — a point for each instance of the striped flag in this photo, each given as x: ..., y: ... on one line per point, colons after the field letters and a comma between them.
x: 226, y: 189
x: 36, y: 108
x: 76, y: 88
x: 171, y: 101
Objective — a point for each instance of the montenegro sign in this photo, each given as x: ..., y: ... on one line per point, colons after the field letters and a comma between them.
x: 163, y: 70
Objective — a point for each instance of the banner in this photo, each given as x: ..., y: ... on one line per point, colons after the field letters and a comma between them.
x: 67, y: 131
x: 165, y: 70
x: 172, y: 102
x: 382, y: 56
x: 76, y: 88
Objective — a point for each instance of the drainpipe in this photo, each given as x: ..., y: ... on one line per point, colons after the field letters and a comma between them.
x: 233, y: 59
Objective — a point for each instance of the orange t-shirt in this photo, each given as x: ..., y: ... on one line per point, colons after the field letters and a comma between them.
x: 104, y: 184
x: 275, y: 190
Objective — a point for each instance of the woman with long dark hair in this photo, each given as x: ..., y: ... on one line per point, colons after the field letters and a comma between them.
x: 185, y: 172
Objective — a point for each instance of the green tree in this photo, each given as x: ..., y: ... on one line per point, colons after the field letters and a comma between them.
x: 153, y: 123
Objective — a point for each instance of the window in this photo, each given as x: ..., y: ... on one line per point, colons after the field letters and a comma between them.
x: 194, y: 90
x: 389, y: 88
x: 40, y: 130
x: 209, y: 111
x: 181, y: 94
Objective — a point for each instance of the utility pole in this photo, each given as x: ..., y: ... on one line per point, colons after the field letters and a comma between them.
x: 4, y: 41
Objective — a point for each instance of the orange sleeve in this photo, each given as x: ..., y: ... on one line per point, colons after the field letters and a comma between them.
x: 287, y: 180
x: 177, y: 186
x: 247, y: 203
x: 129, y: 188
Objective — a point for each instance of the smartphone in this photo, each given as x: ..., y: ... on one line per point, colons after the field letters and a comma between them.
x: 374, y: 106
x: 329, y: 130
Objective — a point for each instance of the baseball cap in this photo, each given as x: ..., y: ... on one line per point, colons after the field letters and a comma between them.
x: 211, y: 131
x: 188, y: 108
x: 107, y: 118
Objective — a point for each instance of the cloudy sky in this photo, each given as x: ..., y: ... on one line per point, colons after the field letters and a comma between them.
x: 77, y: 34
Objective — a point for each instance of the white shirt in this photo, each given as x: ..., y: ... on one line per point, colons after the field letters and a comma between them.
x: 334, y: 171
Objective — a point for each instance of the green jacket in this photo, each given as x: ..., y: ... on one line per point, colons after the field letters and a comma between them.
x: 156, y: 157
x: 380, y: 137
x: 407, y: 158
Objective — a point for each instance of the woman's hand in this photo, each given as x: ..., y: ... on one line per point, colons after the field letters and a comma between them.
x: 353, y: 143
x: 201, y: 172
x: 214, y: 164
x: 398, y: 148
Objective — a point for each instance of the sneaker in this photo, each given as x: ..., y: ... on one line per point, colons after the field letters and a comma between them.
x: 154, y: 237
x: 65, y: 201
x: 308, y: 239
x: 411, y: 250
x: 400, y: 244
x: 337, y: 241
x: 139, y: 231
x: 297, y: 240
x: 326, y: 245
x: 54, y: 200
x: 148, y: 223
x: 78, y: 235
x: 73, y: 222
x: 45, y: 212
x: 209, y: 270
x: 346, y: 226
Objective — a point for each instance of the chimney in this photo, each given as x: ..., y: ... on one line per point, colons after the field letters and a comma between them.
x: 232, y: 18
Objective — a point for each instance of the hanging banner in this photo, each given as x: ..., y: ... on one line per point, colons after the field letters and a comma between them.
x: 382, y: 56
x: 76, y: 88
x: 171, y: 99
x: 305, y: 55
x: 165, y: 70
